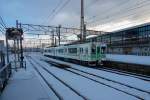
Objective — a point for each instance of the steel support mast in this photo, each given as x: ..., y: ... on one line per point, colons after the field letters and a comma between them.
x: 82, y: 22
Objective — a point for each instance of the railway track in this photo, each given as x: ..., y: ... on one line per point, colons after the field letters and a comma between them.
x: 111, y: 80
x: 47, y: 83
x: 125, y: 73
x: 121, y: 72
x: 68, y: 69
x: 63, y: 82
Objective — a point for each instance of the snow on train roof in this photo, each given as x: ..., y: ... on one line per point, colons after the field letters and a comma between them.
x: 81, y: 44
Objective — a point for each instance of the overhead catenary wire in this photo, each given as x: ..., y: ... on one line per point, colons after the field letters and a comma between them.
x: 2, y: 26
x: 133, y: 23
x: 140, y: 5
x: 2, y: 22
x: 112, y: 17
x: 91, y: 3
x: 2, y: 30
x: 113, y: 7
x: 123, y: 17
x: 62, y: 7
x: 53, y: 11
x: 116, y: 7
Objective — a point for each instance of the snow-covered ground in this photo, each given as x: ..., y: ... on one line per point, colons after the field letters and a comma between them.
x: 90, y: 89
x: 26, y: 85
x: 93, y: 93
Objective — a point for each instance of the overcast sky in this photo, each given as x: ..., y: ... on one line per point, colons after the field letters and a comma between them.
x: 106, y: 15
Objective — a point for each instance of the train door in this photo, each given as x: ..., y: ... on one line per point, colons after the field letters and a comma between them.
x: 103, y: 52
x: 93, y: 52
x: 98, y: 53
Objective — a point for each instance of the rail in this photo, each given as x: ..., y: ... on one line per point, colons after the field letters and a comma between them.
x: 5, y: 73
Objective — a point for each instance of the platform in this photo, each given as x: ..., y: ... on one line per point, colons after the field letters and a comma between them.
x: 24, y: 85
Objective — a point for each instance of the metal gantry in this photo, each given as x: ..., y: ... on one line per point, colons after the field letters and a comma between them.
x: 56, y: 32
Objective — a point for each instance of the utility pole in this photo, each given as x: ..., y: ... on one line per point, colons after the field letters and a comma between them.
x: 55, y: 42
x: 21, y: 49
x: 59, y: 27
x: 82, y: 21
x: 17, y: 47
x: 52, y: 44
x: 84, y: 34
x: 7, y: 49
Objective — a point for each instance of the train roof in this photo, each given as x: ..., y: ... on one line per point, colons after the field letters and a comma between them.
x: 89, y: 43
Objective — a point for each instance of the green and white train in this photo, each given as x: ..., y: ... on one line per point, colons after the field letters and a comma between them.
x: 90, y: 54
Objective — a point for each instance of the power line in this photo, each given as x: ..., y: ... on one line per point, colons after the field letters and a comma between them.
x: 133, y: 22
x: 91, y: 3
x: 62, y: 7
x: 2, y: 22
x: 54, y: 10
x: 116, y: 6
x: 2, y: 28
x: 2, y: 32
x: 2, y: 25
x: 117, y: 13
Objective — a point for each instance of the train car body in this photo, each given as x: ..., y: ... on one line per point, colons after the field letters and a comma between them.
x: 86, y: 54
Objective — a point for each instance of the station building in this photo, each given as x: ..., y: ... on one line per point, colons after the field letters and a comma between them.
x: 131, y: 41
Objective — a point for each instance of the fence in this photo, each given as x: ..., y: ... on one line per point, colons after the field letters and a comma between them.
x: 5, y: 73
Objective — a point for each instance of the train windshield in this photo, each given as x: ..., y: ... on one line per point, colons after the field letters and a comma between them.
x: 93, y: 49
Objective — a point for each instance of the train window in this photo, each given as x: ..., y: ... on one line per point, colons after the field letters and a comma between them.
x: 72, y: 50
x: 86, y: 50
x: 66, y: 50
x: 93, y: 50
x: 103, y: 50
x: 0, y: 58
x: 61, y: 50
x: 81, y: 50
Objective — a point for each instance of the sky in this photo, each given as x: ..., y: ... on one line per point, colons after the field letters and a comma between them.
x: 102, y: 15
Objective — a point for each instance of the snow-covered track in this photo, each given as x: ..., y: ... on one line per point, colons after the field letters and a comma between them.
x: 63, y: 82
x: 125, y: 73
x: 120, y: 72
x: 74, y: 70
x: 48, y: 84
